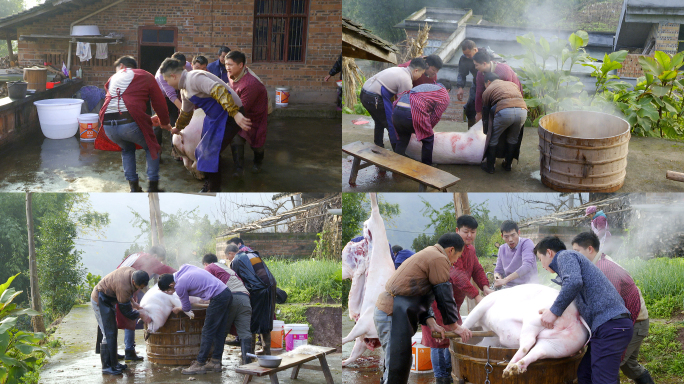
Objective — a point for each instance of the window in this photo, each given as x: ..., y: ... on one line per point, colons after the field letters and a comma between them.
x: 681, y: 38
x: 280, y: 30
x: 431, y: 47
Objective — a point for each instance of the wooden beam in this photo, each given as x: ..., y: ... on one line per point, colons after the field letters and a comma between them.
x: 355, y: 43
x: 676, y: 176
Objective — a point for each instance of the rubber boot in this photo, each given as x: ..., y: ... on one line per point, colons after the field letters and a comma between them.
x: 266, y: 343
x: 98, y: 340
x: 114, y: 358
x: 105, y: 358
x: 214, y: 181
x: 132, y: 356
x: 238, y: 160
x: 508, y: 160
x: 258, y: 159
x: 153, y: 186
x: 246, y: 346
x: 135, y: 186
x: 488, y: 165
x: 645, y: 378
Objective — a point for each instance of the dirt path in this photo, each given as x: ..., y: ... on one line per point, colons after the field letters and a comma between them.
x: 76, y: 361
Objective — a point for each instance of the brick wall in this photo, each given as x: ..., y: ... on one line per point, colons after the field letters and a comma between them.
x: 631, y: 66
x: 288, y: 245
x: 667, y: 38
x: 202, y: 27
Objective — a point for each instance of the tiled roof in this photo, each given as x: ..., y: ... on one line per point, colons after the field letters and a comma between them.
x: 375, y: 40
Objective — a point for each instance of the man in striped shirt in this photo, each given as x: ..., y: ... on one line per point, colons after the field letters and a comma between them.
x: 418, y: 111
x: 588, y: 244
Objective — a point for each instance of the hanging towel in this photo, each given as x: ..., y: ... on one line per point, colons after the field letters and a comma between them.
x: 83, y: 51
x: 101, y: 50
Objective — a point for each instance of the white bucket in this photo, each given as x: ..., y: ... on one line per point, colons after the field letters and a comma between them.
x: 89, y: 126
x: 422, y: 363
x: 277, y: 335
x: 296, y: 335
x: 58, y: 117
x: 282, y: 96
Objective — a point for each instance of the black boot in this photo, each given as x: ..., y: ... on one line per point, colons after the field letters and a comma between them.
x: 154, y: 186
x: 105, y: 358
x: 135, y: 187
x: 266, y: 343
x: 238, y: 160
x: 488, y: 165
x: 246, y: 346
x: 508, y: 160
x: 98, y: 341
x: 258, y: 159
x: 645, y: 378
x: 114, y: 358
x: 132, y: 356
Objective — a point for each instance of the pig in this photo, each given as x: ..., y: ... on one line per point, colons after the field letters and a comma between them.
x: 369, y: 265
x: 513, y: 314
x: 186, y: 142
x: 453, y: 147
x: 159, y: 305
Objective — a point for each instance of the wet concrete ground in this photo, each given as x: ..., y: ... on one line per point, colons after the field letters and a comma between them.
x: 76, y: 361
x: 300, y: 155
x: 368, y: 368
x: 647, y: 162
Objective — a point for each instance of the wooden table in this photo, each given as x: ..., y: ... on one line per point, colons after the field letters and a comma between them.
x: 424, y: 174
x: 295, y: 362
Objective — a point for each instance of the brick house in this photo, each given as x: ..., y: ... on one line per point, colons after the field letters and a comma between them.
x: 647, y: 26
x: 290, y: 43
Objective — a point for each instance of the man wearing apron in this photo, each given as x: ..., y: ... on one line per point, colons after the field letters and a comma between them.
x: 201, y: 89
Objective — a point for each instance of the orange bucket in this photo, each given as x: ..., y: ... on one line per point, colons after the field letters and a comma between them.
x: 89, y: 126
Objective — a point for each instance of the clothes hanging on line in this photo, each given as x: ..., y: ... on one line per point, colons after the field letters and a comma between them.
x: 101, y: 50
x: 83, y: 51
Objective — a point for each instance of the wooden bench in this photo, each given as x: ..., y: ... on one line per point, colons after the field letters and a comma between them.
x: 295, y: 362
x: 424, y: 174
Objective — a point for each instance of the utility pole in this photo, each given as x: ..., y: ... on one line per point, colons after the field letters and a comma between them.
x: 461, y: 204
x: 156, y: 227
x: 36, y: 321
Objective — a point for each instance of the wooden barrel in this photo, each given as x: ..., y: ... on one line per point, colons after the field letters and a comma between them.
x: 167, y: 346
x: 36, y: 78
x: 583, y: 151
x: 468, y: 366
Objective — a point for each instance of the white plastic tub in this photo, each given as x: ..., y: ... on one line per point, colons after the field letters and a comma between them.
x: 296, y: 335
x: 58, y: 117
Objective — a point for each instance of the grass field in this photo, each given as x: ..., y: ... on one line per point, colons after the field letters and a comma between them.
x: 310, y: 280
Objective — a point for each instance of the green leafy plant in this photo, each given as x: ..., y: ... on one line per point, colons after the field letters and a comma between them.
x: 357, y: 208
x: 655, y: 107
x: 661, y: 351
x: 358, y: 108
x: 602, y: 72
x: 20, y: 352
x: 550, y: 89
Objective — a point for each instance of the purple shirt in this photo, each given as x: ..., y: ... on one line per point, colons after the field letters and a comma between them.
x: 168, y: 90
x: 194, y: 281
x: 520, y: 259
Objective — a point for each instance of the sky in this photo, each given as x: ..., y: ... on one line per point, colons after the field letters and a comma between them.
x: 411, y: 221
x: 102, y: 255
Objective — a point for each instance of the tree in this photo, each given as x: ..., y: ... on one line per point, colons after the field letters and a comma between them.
x: 36, y: 305
x: 356, y: 209
x: 443, y: 220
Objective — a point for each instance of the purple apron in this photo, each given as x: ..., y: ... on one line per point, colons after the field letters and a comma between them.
x: 209, y: 148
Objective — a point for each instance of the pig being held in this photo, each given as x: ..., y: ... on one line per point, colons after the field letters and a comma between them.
x: 186, y: 142
x: 159, y: 305
x: 453, y: 147
x: 513, y: 314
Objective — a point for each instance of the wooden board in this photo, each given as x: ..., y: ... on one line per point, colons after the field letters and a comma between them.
x: 402, y: 165
x: 288, y: 362
x: 676, y: 176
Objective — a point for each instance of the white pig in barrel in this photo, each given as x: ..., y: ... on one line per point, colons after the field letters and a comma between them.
x: 159, y: 306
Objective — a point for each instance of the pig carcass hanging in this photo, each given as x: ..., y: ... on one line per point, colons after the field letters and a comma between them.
x: 513, y: 314
x: 369, y: 265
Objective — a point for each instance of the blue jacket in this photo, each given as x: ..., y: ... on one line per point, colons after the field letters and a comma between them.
x: 596, y: 298
x: 402, y: 256
x: 218, y: 70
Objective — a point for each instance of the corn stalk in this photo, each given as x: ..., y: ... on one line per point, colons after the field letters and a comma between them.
x: 351, y: 79
x: 414, y: 47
